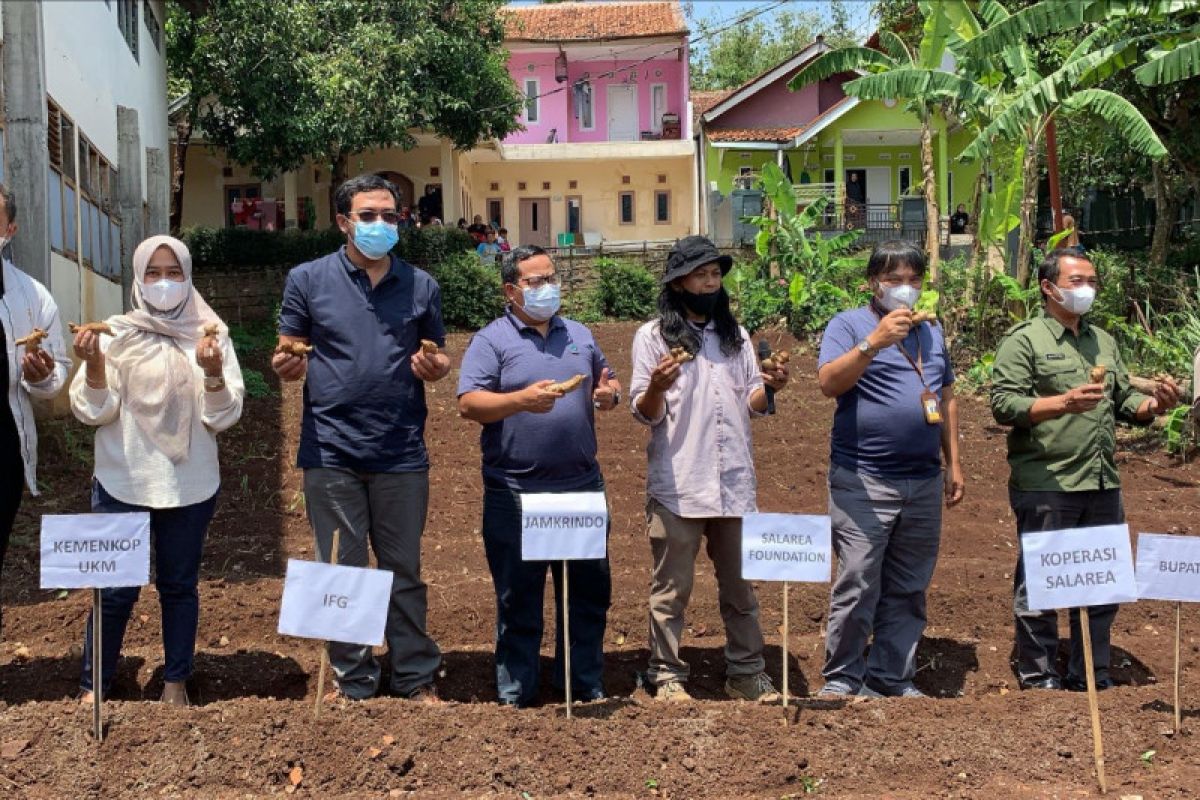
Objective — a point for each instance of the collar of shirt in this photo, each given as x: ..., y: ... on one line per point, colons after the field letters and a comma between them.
x: 1057, y: 329
x: 359, y: 274
x: 521, y: 326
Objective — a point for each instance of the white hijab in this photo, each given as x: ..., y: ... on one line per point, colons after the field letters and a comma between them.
x: 157, y: 379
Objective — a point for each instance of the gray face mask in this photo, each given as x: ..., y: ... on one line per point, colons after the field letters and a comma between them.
x: 1076, y: 301
x: 902, y: 296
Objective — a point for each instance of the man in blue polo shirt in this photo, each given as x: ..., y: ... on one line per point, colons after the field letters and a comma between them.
x: 896, y: 420
x: 364, y: 312
x: 537, y: 439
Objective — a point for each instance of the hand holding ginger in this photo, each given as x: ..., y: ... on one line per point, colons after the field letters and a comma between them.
x: 96, y: 327
x: 924, y: 316
x: 776, y: 360
x: 1166, y: 394
x: 208, y: 352
x: 299, y: 349
x: 681, y: 355
x: 664, y: 374
x: 1096, y: 374
x: 290, y: 361
x: 567, y: 386
x: 891, y: 329
x: 33, y: 341
x: 428, y: 362
x: 539, y: 397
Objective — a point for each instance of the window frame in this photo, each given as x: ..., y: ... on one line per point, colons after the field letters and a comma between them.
x: 578, y: 199
x: 535, y: 99
x: 632, y: 208
x: 660, y: 193
x: 656, y: 125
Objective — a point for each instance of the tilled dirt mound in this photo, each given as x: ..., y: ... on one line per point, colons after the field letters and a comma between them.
x: 252, y: 732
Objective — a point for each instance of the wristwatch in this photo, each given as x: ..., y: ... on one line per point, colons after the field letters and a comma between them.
x: 212, y: 384
x: 867, y: 350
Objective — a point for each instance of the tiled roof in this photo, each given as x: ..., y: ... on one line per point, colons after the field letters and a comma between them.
x: 778, y: 135
x: 702, y: 101
x: 564, y: 22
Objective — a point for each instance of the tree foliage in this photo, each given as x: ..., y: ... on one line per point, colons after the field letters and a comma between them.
x: 321, y: 79
x: 738, y: 53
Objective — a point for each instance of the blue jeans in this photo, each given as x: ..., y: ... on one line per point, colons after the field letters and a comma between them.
x: 177, y: 536
x: 520, y: 589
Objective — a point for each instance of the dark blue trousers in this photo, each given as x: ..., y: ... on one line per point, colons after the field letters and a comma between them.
x: 520, y: 588
x: 177, y: 539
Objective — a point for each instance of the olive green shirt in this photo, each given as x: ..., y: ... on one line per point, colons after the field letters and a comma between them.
x: 1073, y: 452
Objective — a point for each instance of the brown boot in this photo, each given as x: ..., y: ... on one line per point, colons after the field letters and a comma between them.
x: 175, y: 693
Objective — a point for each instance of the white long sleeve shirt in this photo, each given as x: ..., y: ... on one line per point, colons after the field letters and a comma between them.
x: 27, y: 305
x: 129, y: 466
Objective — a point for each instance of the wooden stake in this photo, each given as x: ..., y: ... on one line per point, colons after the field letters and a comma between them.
x: 97, y: 666
x: 333, y: 559
x: 1093, y: 700
x: 566, y: 618
x: 785, y: 647
x: 1178, y: 708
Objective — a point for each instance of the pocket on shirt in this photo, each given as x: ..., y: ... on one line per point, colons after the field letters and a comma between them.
x: 1057, y: 378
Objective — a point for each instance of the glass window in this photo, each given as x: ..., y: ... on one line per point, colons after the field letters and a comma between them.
x: 662, y: 207
x: 658, y: 106
x: 152, y: 26
x: 68, y: 148
x: 626, y: 208
x: 94, y: 230
x: 69, y: 219
x: 532, y: 104
x: 575, y: 215
x: 114, y: 244
x: 55, y: 202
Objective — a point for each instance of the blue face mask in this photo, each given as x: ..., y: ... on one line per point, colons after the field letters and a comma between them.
x: 375, y: 239
x: 542, y: 303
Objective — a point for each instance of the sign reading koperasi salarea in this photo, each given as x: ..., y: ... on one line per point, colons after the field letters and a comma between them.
x: 786, y: 547
x: 95, y: 551
x: 563, y: 526
x: 1168, y: 567
x: 341, y: 604
x: 1079, y: 567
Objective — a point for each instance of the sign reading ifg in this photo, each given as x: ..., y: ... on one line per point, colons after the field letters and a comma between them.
x: 1078, y: 567
x: 341, y: 604
x: 95, y: 551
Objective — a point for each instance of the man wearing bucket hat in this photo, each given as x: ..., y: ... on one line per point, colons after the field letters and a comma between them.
x: 696, y: 383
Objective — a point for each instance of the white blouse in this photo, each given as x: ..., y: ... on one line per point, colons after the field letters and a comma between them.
x: 129, y: 466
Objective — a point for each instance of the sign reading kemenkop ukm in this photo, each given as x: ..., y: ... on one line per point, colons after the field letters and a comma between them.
x: 95, y: 551
x: 786, y: 547
x: 1079, y: 567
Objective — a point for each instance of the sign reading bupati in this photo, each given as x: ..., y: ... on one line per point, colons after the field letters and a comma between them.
x: 1078, y: 567
x: 563, y: 526
x: 95, y: 551
x: 786, y: 547
x: 1168, y: 567
x: 328, y: 601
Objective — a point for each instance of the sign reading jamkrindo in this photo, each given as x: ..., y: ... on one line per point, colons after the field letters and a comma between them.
x: 1079, y: 567
x: 1168, y: 567
x: 786, y: 547
x: 342, y: 604
x: 563, y: 526
x: 95, y: 551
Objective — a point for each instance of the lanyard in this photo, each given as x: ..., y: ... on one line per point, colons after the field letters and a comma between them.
x: 916, y: 364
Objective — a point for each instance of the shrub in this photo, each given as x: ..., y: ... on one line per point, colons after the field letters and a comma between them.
x: 625, y: 290
x: 471, y: 296
x: 583, y: 306
x: 242, y: 247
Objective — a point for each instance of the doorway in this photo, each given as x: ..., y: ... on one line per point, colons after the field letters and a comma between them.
x: 535, y: 221
x: 622, y: 113
x: 403, y: 184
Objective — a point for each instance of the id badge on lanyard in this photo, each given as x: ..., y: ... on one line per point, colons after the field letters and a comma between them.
x: 930, y: 404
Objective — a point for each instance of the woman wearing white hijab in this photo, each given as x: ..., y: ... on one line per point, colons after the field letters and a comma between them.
x: 158, y: 392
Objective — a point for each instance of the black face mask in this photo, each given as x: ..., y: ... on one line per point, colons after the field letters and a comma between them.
x: 702, y: 304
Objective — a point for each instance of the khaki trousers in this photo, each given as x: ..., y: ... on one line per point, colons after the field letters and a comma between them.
x: 674, y: 544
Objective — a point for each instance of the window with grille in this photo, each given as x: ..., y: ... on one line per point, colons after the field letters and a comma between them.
x: 152, y: 25
x: 127, y: 15
x: 662, y: 208
x: 626, y: 208
x: 54, y: 134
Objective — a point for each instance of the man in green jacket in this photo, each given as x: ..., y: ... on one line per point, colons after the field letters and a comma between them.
x: 1049, y: 386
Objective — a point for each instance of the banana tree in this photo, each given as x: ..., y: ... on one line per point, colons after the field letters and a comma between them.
x: 1034, y: 100
x: 898, y: 72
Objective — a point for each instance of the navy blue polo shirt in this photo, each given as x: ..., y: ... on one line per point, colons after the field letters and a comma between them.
x: 879, y: 427
x: 363, y: 408
x: 551, y: 452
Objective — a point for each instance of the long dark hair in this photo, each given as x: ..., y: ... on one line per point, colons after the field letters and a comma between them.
x: 676, y: 332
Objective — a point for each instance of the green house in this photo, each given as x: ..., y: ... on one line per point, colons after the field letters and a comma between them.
x: 863, y: 155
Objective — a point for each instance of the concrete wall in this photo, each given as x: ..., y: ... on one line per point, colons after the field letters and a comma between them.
x: 599, y: 184
x: 557, y: 110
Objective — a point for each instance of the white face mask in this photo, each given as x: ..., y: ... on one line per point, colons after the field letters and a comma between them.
x: 902, y: 296
x: 1076, y: 301
x: 166, y: 295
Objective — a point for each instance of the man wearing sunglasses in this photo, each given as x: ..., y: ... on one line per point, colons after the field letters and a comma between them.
x: 537, y: 438
x: 364, y: 312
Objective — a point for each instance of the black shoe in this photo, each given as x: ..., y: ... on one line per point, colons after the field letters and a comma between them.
x: 1080, y: 684
x: 1052, y: 684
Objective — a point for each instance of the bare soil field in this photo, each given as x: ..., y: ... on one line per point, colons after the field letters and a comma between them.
x: 977, y: 736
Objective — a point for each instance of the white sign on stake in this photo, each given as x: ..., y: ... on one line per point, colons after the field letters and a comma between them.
x: 1079, y: 567
x: 341, y: 604
x: 95, y: 551
x: 786, y: 547
x: 1168, y: 567
x: 563, y: 526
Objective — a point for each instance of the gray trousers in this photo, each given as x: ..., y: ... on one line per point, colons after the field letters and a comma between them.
x: 886, y: 534
x: 386, y: 511
x: 674, y: 544
x: 1037, y: 631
